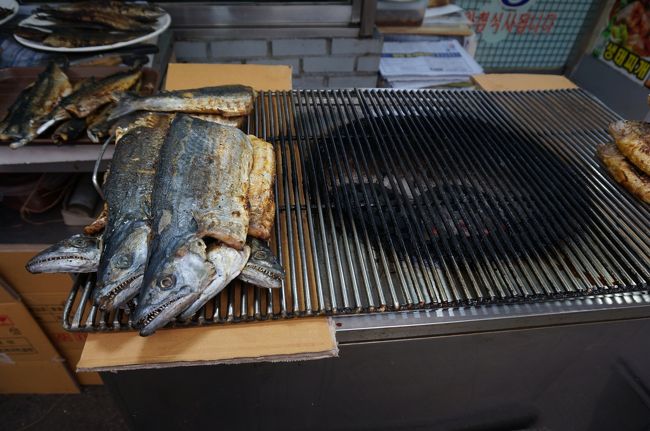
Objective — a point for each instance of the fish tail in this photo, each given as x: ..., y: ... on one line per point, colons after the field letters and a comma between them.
x: 19, y: 143
x: 126, y: 104
x: 92, y: 136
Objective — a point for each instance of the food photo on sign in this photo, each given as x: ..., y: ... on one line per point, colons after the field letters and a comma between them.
x: 624, y: 43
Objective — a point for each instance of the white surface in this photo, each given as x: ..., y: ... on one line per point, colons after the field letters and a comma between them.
x: 161, y: 25
x: 9, y: 4
x: 442, y: 10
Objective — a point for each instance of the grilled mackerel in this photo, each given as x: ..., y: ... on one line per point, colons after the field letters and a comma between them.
x: 633, y: 140
x: 128, y: 192
x: 624, y: 172
x: 79, y: 253
x: 108, y: 18
x: 228, y: 264
x: 226, y: 101
x: 64, y: 37
x: 262, y: 177
x: 140, y: 12
x: 91, y: 96
x: 178, y: 271
x: 29, y: 112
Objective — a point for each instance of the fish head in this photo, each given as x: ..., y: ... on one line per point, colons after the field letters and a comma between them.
x: 79, y: 253
x: 171, y: 285
x: 262, y: 268
x: 121, y: 267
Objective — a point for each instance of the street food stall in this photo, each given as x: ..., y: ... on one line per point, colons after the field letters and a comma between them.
x: 401, y: 259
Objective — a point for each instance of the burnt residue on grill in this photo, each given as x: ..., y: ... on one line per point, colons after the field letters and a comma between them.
x: 393, y: 200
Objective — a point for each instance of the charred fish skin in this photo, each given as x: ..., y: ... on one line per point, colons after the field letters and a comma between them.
x: 228, y: 264
x: 79, y: 253
x: 624, y: 172
x: 128, y: 193
x: 262, y: 177
x: 226, y: 101
x: 69, y: 131
x: 29, y: 112
x: 177, y: 272
x: 633, y: 141
x: 224, y: 213
x: 263, y: 268
x: 92, y: 96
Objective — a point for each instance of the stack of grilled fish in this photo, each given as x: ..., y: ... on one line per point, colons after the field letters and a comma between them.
x: 90, y: 23
x: 52, y: 99
x: 189, y: 208
x: 628, y: 160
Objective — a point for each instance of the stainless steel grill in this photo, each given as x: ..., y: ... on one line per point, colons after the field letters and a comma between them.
x: 393, y: 200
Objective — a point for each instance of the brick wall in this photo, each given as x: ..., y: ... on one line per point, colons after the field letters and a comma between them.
x: 316, y: 62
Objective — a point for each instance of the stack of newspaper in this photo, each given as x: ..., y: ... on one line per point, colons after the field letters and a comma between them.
x: 426, y: 64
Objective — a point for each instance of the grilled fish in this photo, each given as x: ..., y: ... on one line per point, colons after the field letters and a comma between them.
x: 109, y: 19
x: 624, y: 172
x: 141, y: 12
x: 633, y: 140
x: 227, y: 101
x: 262, y: 268
x: 228, y: 264
x: 62, y: 37
x: 29, y: 112
x: 216, y: 118
x: 90, y: 97
x: 79, y: 253
x: 262, y: 177
x: 177, y: 271
x: 128, y: 193
x: 69, y: 131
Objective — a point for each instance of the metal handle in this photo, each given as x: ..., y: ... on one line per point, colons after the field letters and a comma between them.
x: 96, y: 168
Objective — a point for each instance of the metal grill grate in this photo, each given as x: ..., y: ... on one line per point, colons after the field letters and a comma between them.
x: 390, y: 200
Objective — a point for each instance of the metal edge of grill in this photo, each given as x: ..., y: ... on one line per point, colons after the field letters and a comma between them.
x: 390, y: 200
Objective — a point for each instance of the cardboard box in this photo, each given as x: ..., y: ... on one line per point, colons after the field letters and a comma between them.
x: 45, y: 295
x: 29, y: 363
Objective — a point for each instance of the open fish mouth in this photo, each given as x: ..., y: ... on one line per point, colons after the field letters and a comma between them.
x: 271, y: 274
x: 107, y: 299
x: 146, y: 320
x: 33, y: 263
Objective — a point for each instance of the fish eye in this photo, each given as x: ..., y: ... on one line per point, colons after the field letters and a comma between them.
x: 259, y: 254
x: 167, y: 282
x: 79, y: 242
x: 123, y: 261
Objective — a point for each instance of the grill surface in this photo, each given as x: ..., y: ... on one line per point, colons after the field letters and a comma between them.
x: 391, y: 200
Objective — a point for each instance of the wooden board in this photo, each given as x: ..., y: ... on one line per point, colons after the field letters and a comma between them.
x: 282, y: 340
x: 428, y: 30
x: 182, y: 76
x: 522, y: 82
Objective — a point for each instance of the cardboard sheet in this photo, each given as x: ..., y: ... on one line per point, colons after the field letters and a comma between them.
x: 522, y: 82
x: 277, y: 341
x: 261, y: 77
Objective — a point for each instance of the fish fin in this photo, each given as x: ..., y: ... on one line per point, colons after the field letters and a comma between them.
x: 92, y: 137
x: 126, y: 104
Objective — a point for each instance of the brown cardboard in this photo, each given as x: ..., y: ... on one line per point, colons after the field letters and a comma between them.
x: 29, y: 363
x: 521, y: 82
x: 45, y: 295
x: 12, y: 269
x: 181, y: 76
x: 280, y: 340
